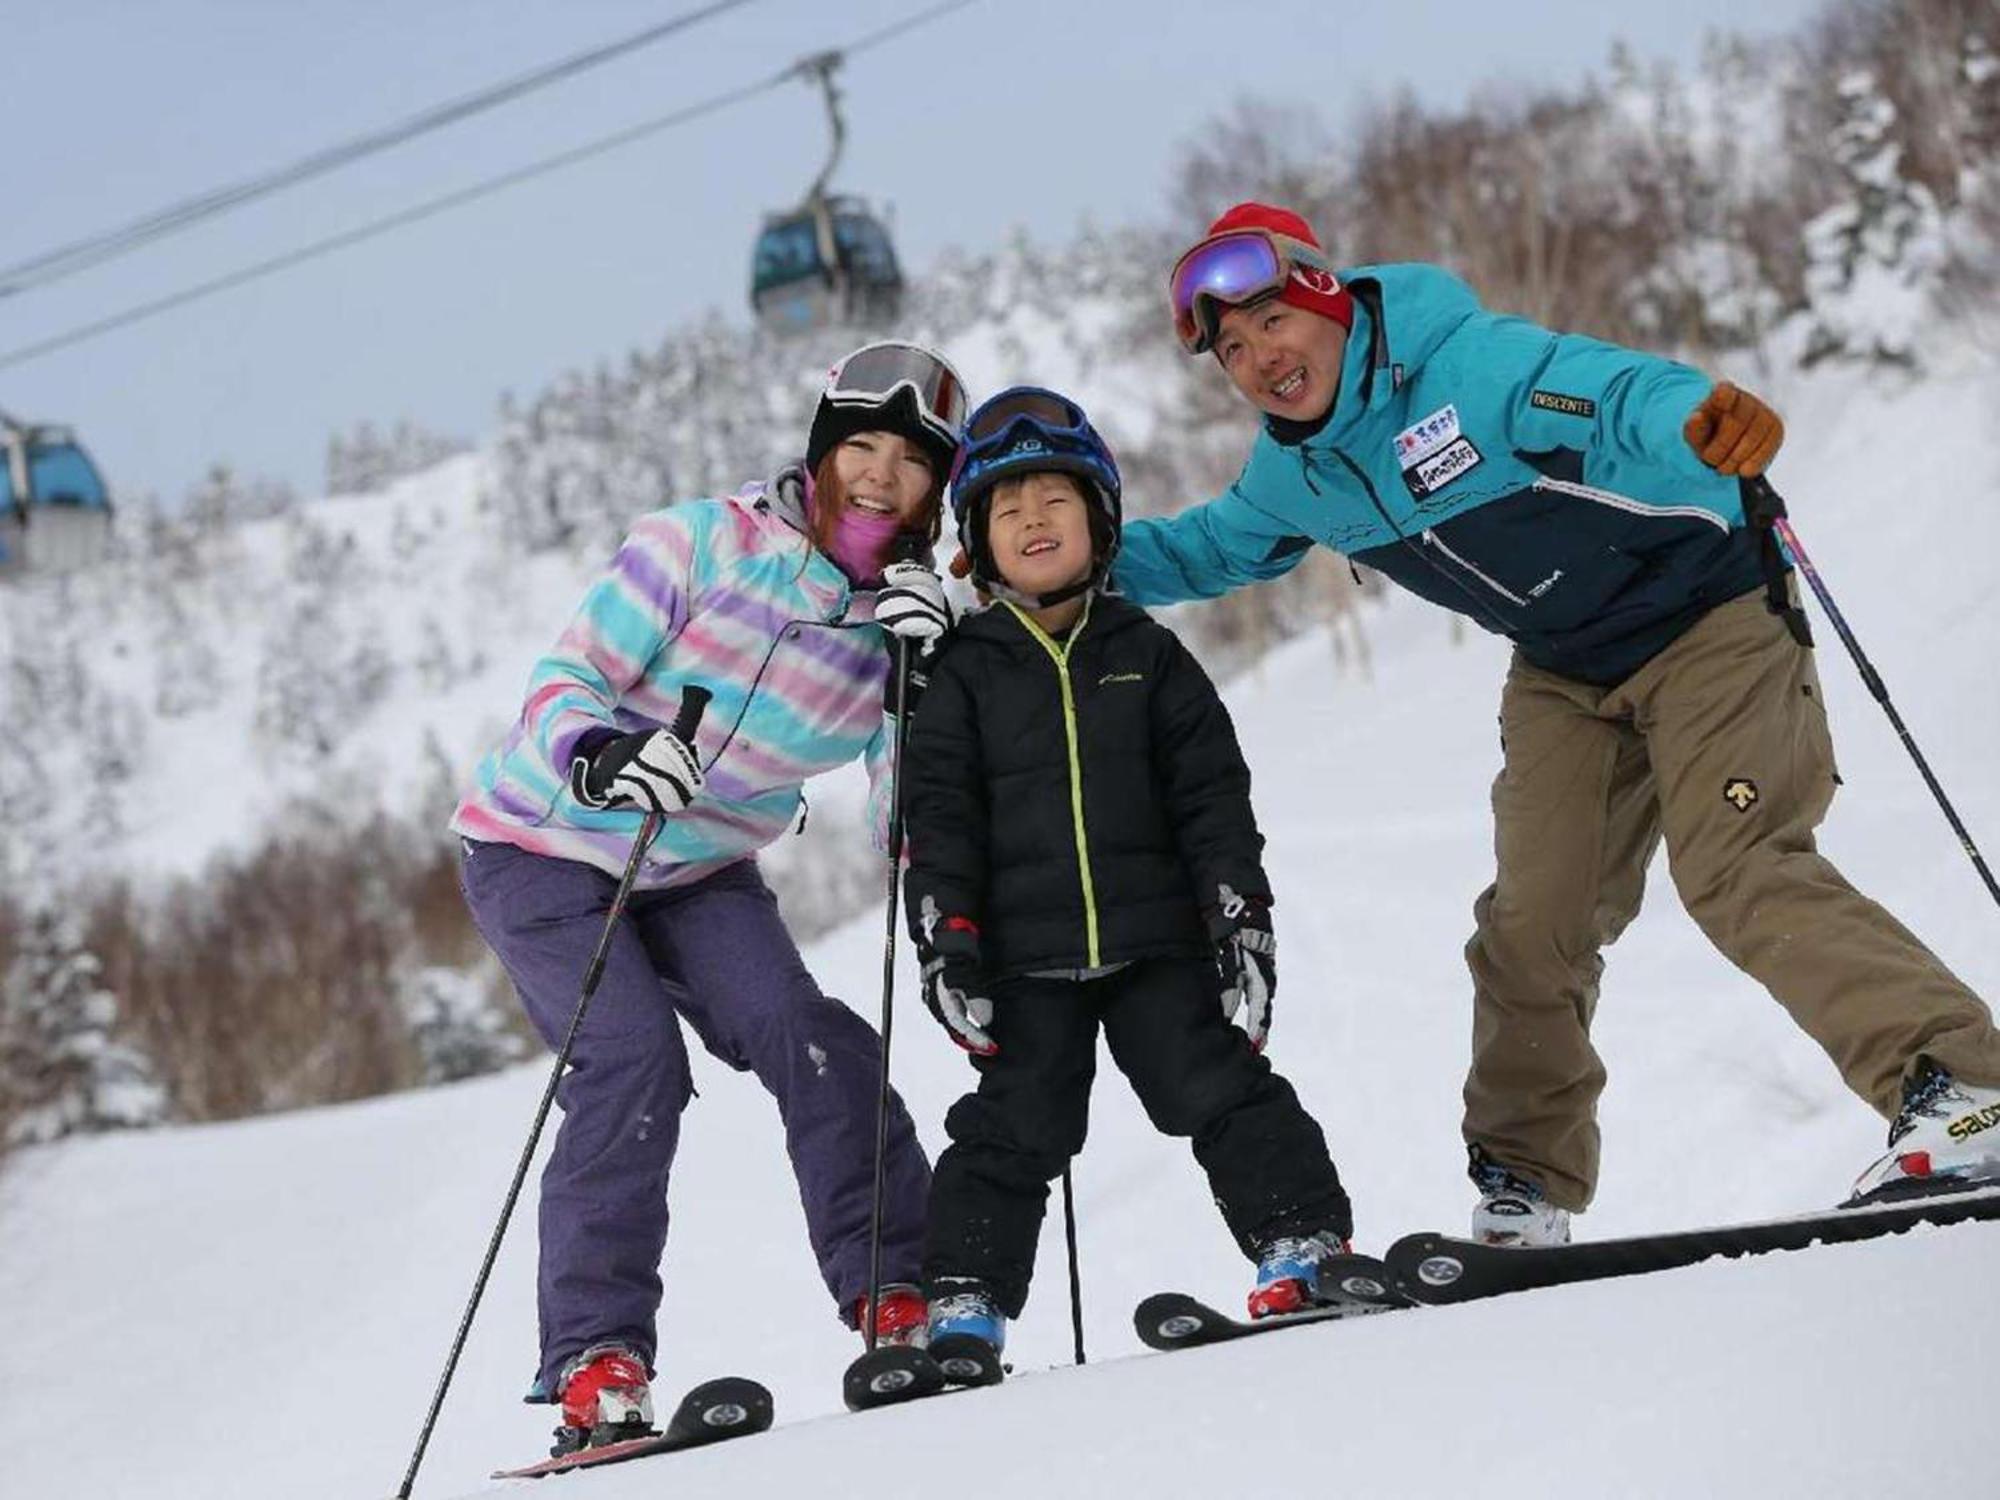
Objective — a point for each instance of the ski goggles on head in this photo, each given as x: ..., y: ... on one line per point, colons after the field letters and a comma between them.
x: 1240, y: 266
x: 1029, y: 427
x: 875, y: 372
x: 1049, y: 412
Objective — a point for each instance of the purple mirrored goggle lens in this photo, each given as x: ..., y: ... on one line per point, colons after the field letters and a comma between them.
x: 1230, y: 268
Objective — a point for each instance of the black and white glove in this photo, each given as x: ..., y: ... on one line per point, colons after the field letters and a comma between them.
x: 911, y: 604
x: 1247, y: 955
x: 954, y: 984
x: 654, y: 769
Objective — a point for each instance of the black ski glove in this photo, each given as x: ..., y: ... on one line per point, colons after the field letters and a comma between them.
x: 955, y: 985
x: 1246, y: 953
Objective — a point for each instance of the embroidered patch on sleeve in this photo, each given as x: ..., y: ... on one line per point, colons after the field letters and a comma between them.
x: 1740, y: 793
x: 1568, y: 406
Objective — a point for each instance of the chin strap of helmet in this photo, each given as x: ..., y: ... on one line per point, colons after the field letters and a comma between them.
x: 1097, y: 582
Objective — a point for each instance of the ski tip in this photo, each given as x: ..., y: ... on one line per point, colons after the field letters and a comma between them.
x: 889, y: 1374
x: 1172, y: 1320
x: 964, y: 1359
x: 728, y: 1406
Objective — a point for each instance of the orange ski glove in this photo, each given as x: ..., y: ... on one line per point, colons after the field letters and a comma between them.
x: 1734, y: 432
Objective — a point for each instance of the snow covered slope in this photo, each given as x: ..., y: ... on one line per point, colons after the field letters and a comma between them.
x: 261, y: 1309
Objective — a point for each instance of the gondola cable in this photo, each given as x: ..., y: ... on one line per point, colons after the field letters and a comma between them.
x: 93, y: 250
x: 418, y: 212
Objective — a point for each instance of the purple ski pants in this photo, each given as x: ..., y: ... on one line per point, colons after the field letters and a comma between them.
x: 716, y: 954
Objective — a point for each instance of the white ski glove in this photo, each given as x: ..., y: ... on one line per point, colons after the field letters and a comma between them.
x: 911, y: 604
x: 1247, y: 954
x: 649, y: 768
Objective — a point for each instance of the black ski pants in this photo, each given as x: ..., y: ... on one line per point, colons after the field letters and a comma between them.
x: 1198, y: 1078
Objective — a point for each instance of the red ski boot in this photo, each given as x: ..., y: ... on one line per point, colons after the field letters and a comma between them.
x: 605, y: 1399
x: 901, y: 1316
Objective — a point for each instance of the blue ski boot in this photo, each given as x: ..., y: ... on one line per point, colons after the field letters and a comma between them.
x: 967, y: 1332
x: 1288, y: 1274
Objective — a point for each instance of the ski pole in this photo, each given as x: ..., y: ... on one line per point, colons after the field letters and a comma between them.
x: 1075, y: 1274
x: 902, y: 670
x: 1765, y: 507
x: 694, y: 702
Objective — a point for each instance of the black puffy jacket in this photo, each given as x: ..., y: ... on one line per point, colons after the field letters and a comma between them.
x: 1080, y: 802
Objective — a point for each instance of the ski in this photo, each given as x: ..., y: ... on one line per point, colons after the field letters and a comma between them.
x: 713, y: 1412
x: 890, y: 1373
x: 1174, y: 1320
x: 893, y: 1373
x: 1437, y: 1268
x: 967, y: 1360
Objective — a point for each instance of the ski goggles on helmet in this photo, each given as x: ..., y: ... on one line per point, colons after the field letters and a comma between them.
x: 1239, y: 266
x: 875, y: 372
x: 1030, y: 428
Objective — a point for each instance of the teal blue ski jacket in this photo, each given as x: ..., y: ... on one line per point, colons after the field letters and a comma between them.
x: 1536, y: 482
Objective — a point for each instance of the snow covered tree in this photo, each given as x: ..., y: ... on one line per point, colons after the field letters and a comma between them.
x: 224, y: 498
x: 365, y: 461
x: 64, y: 1065
x: 323, y: 667
x: 1874, y: 256
x: 458, y: 1030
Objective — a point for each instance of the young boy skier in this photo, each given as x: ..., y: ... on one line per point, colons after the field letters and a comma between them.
x: 1082, y: 854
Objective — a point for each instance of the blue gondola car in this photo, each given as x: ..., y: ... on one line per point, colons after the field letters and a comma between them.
x: 829, y: 260
x: 55, y: 512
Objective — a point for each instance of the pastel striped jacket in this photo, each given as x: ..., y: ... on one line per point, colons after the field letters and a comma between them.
x: 732, y: 595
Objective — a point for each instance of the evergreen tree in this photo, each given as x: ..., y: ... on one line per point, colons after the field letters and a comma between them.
x: 64, y: 1068
x: 1874, y: 255
x: 459, y: 1031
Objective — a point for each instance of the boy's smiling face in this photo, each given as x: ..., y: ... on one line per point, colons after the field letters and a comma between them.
x: 1038, y: 531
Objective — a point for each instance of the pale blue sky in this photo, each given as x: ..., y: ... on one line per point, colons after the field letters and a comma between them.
x: 116, y: 107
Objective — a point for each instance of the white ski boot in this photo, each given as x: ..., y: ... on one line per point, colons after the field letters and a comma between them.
x: 1511, y: 1210
x: 1946, y: 1139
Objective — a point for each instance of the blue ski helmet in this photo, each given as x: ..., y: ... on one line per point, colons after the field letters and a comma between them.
x: 1026, y: 429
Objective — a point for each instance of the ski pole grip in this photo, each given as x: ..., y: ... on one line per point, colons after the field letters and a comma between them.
x: 1763, y: 506
x: 694, y: 703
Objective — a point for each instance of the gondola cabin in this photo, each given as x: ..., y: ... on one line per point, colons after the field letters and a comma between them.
x: 55, y: 512
x: 830, y: 262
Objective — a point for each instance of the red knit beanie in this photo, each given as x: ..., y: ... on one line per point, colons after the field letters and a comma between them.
x: 1313, y: 287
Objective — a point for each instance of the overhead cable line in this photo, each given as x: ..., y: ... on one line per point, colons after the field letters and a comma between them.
x: 436, y: 206
x: 93, y: 250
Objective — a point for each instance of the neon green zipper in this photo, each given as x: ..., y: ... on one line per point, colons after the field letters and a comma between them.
x: 1060, y: 656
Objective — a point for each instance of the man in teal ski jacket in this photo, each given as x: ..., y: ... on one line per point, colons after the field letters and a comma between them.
x: 1585, y: 501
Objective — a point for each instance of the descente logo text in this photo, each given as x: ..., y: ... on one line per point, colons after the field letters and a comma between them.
x: 1569, y: 406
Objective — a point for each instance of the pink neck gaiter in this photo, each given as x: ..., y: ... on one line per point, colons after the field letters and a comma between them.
x: 862, y: 544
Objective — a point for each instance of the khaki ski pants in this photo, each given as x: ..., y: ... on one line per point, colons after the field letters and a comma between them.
x: 1719, y: 744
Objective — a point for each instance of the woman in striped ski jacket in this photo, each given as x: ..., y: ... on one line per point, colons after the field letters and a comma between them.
x: 778, y: 601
